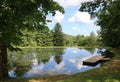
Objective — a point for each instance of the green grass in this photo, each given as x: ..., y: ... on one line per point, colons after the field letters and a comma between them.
x: 93, y: 78
x: 109, y: 72
x: 116, y: 52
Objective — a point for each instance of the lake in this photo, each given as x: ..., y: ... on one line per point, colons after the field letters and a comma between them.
x: 49, y: 61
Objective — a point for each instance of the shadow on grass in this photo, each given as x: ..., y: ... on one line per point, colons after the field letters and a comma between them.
x: 25, y: 80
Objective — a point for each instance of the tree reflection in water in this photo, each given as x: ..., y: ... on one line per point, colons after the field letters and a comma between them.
x: 48, y: 61
x: 22, y: 61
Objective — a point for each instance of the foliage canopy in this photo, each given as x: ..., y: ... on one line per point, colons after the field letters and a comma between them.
x: 108, y: 15
x: 17, y: 16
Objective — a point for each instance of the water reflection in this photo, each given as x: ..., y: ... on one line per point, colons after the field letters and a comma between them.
x: 49, y: 61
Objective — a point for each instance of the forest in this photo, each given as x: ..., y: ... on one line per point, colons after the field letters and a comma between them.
x: 55, y: 37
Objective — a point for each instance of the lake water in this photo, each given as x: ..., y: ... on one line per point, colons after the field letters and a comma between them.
x: 49, y: 61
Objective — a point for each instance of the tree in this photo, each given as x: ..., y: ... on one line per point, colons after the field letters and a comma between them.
x: 58, y: 39
x: 80, y: 40
x: 108, y: 16
x: 68, y: 40
x: 92, y: 39
x: 17, y: 15
x: 46, y: 37
x: 86, y: 40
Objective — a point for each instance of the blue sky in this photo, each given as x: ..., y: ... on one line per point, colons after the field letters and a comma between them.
x: 73, y: 22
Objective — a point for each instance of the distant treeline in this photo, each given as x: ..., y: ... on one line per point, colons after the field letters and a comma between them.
x: 55, y: 37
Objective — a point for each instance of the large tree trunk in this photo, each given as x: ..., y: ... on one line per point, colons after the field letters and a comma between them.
x: 3, y: 62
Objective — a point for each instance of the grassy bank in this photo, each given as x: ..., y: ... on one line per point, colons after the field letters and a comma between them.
x: 59, y: 47
x: 109, y: 72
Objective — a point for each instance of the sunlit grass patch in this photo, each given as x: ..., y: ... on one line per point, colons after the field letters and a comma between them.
x: 33, y: 80
x: 113, y: 80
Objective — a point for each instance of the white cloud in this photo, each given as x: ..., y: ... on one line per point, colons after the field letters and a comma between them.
x: 72, y: 19
x: 51, y: 58
x: 59, y: 16
x: 70, y: 3
x: 81, y: 17
x: 60, y: 66
x: 74, y: 28
x: 35, y: 61
x: 78, y: 62
x: 35, y: 69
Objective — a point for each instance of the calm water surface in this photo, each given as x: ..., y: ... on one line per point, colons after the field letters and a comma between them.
x: 49, y: 61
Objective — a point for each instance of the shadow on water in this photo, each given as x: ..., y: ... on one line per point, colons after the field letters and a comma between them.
x: 50, y: 61
x: 107, y: 54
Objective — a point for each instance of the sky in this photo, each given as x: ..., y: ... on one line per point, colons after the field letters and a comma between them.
x: 73, y: 21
